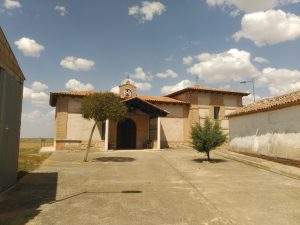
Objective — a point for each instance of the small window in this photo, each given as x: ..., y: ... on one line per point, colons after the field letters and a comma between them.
x: 216, y: 113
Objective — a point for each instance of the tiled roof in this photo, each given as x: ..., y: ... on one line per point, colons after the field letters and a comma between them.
x: 55, y: 95
x: 73, y: 93
x: 269, y: 104
x: 151, y: 99
x: 205, y: 89
x: 162, y: 99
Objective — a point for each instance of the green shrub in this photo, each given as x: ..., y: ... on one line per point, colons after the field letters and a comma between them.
x: 207, y: 137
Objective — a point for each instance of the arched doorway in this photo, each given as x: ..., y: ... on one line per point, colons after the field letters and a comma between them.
x: 126, y: 134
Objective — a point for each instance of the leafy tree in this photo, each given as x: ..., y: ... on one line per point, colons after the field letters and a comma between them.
x: 100, y: 107
x: 207, y: 137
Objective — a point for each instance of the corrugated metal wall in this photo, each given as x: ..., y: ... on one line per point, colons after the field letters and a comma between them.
x: 11, y: 91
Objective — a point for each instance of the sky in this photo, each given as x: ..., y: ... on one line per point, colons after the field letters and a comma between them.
x: 161, y: 45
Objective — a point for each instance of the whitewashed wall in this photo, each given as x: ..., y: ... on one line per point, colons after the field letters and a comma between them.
x: 79, y: 128
x: 172, y: 125
x: 274, y: 133
x: 172, y: 129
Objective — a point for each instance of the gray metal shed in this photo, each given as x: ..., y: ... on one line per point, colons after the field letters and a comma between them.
x: 11, y: 91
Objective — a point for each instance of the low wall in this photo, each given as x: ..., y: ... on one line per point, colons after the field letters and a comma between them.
x: 276, y: 145
x: 273, y: 133
x: 75, y: 145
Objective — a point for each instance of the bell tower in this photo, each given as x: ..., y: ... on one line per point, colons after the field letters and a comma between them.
x: 128, y: 90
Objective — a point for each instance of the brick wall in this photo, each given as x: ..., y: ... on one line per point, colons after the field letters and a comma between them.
x: 61, y: 118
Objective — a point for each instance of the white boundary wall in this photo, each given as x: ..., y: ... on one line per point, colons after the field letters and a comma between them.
x: 273, y: 133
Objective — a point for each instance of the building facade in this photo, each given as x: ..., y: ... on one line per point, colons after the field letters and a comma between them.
x: 268, y: 127
x: 11, y: 91
x: 153, y: 122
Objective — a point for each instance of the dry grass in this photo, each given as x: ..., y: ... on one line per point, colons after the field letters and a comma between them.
x: 26, y: 143
x: 29, y: 156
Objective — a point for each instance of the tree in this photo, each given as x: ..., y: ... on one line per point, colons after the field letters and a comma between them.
x: 101, y: 107
x: 207, y: 137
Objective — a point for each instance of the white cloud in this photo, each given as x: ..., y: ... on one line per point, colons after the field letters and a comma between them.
x: 38, y: 86
x: 172, y: 88
x: 167, y: 74
x: 269, y: 28
x: 29, y: 47
x: 61, y: 10
x: 75, y: 85
x: 147, y: 10
x: 261, y: 60
x: 280, y: 81
x: 38, y: 116
x: 142, y: 86
x: 249, y: 99
x: 115, y: 90
x: 249, y: 5
x: 233, y: 64
x: 77, y: 64
x: 225, y: 87
x: 34, y: 120
x: 36, y: 94
x: 27, y: 93
x: 235, y: 13
x: 140, y: 74
x: 11, y: 4
x: 187, y: 60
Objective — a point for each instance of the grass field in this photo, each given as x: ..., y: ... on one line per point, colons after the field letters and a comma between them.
x: 29, y: 156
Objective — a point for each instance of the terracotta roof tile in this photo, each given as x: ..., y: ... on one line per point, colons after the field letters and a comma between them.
x: 162, y: 99
x: 151, y: 99
x: 206, y: 89
x: 269, y: 104
x: 73, y: 93
x: 54, y: 95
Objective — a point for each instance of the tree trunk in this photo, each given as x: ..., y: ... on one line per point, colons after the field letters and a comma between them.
x: 89, y: 143
x: 208, y: 156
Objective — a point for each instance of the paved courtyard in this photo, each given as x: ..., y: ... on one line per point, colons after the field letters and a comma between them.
x: 148, y: 187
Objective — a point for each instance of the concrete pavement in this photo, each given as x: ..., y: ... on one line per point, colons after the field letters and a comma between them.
x: 279, y: 168
x: 148, y: 187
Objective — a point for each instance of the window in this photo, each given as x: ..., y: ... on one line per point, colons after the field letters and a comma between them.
x: 216, y: 113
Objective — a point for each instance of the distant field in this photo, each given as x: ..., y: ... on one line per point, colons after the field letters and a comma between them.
x: 29, y: 156
x: 35, y: 142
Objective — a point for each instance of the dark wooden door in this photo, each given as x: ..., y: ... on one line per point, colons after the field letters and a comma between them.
x: 126, y: 134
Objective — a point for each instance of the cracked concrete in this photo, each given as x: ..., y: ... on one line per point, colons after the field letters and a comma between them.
x: 150, y: 187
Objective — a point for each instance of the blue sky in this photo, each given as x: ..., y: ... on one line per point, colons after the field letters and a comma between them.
x: 84, y: 45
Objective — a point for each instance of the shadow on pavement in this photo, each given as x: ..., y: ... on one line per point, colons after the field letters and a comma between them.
x: 114, y: 159
x: 21, y: 204
x: 95, y: 193
x: 209, y: 161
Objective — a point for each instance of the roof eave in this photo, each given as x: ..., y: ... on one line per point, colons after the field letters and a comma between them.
x: 20, y: 74
x: 53, y: 99
x: 265, y: 109
x: 165, y: 102
x: 163, y: 112
x: 206, y: 90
